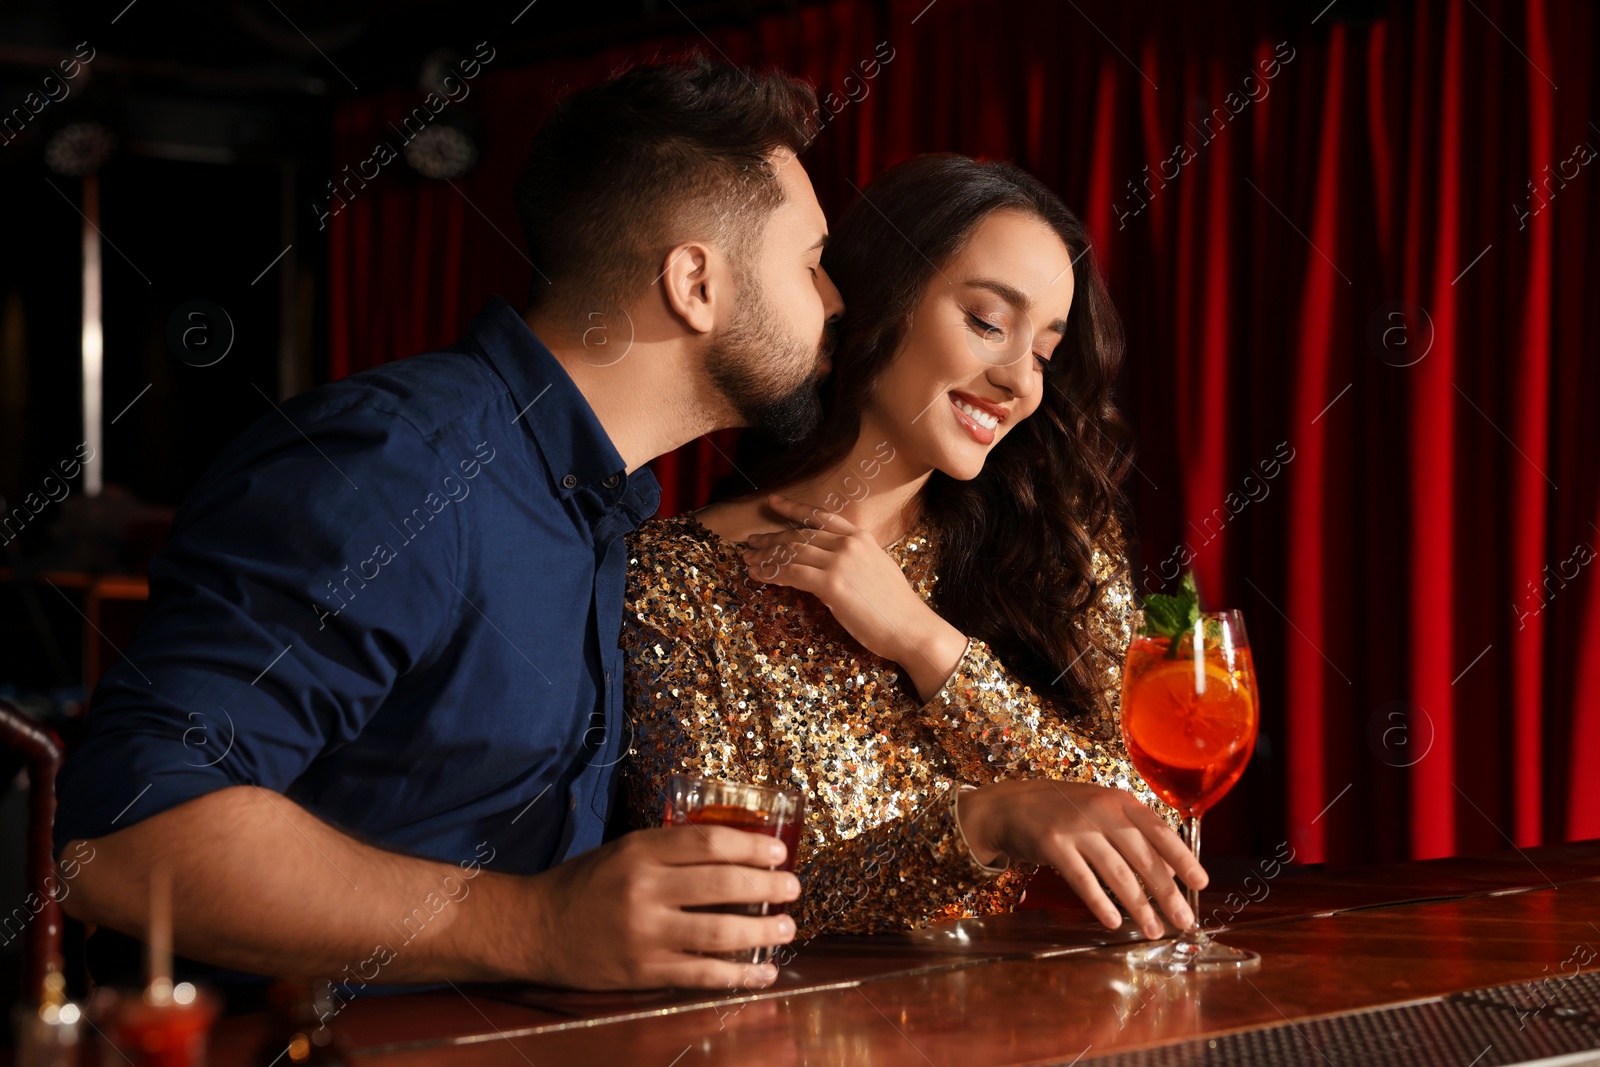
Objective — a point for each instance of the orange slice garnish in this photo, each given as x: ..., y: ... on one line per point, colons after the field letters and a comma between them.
x: 1181, y: 727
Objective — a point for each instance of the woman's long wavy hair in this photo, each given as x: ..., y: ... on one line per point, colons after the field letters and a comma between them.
x: 1018, y: 540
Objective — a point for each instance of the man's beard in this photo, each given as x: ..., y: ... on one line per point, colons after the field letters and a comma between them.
x: 748, y: 364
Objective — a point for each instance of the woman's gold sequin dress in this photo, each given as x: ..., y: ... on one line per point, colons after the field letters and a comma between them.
x: 731, y: 678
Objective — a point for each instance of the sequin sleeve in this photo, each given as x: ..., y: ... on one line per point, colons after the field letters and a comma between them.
x: 685, y: 696
x: 904, y: 872
x: 993, y: 727
x: 677, y: 718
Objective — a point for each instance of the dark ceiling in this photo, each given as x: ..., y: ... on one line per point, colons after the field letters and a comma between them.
x: 332, y: 47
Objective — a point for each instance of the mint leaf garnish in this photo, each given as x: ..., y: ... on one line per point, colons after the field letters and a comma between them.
x: 1171, y: 616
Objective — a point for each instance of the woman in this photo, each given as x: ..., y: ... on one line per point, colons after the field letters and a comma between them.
x: 924, y: 632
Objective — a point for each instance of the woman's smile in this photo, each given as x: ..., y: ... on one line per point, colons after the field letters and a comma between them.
x: 977, y: 416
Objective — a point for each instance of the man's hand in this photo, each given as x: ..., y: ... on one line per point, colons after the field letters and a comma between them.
x: 261, y: 885
x: 614, y: 918
x: 1081, y: 830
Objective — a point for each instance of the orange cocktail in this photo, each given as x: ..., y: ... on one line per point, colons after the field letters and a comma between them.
x: 1190, y: 716
x: 1190, y: 723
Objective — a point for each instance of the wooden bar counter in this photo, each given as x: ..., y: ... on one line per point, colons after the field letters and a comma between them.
x: 1377, y: 965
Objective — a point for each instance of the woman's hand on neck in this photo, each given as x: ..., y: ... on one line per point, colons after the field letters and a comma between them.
x: 864, y: 587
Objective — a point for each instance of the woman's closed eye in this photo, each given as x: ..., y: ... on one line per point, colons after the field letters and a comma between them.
x: 993, y: 333
x: 990, y: 331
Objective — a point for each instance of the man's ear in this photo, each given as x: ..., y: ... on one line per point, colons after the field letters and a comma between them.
x: 694, y: 279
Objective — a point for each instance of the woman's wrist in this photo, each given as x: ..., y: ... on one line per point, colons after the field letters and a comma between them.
x: 931, y: 654
x: 972, y: 817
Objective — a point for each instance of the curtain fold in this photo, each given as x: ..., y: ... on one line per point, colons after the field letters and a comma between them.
x: 1532, y: 435
x: 1356, y: 263
x: 1314, y: 396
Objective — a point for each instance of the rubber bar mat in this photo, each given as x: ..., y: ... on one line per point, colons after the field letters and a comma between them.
x: 1551, y: 1021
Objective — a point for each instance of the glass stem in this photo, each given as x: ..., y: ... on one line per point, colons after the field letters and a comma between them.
x: 1192, y: 824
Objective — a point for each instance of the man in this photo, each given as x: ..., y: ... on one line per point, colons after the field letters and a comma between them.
x: 370, y: 723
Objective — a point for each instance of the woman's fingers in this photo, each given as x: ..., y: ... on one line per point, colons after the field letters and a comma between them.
x: 1076, y: 873
x: 819, y: 538
x: 1155, y: 872
x: 803, y: 514
x: 773, y: 565
x: 1116, y: 873
x: 1167, y: 843
x: 807, y: 515
x: 1085, y: 830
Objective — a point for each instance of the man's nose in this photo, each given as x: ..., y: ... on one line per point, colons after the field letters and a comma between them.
x: 832, y: 302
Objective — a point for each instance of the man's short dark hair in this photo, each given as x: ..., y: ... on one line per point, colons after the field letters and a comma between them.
x: 622, y: 171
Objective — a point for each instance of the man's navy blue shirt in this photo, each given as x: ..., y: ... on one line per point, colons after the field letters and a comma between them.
x: 397, y: 602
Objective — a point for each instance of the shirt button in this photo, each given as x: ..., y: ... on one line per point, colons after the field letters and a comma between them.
x: 569, y: 481
x: 611, y: 482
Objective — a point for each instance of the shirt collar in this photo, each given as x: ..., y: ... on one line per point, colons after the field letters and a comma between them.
x: 576, y: 448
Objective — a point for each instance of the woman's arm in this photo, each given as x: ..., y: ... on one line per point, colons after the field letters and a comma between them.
x: 1099, y: 821
x: 1092, y: 818
x: 988, y: 723
x: 897, y: 874
x: 996, y: 728
x: 900, y: 873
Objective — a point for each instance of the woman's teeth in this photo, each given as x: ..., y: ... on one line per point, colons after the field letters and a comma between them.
x: 977, y: 415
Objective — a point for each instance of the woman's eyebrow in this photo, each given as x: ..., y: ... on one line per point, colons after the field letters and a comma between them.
x: 1016, y: 298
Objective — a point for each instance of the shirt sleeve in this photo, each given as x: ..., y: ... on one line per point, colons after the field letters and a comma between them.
x: 993, y: 727
x: 309, y: 569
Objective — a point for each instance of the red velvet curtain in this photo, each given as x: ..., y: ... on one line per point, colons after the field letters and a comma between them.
x: 1353, y: 259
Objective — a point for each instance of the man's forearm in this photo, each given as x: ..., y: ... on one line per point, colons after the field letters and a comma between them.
x: 261, y: 885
